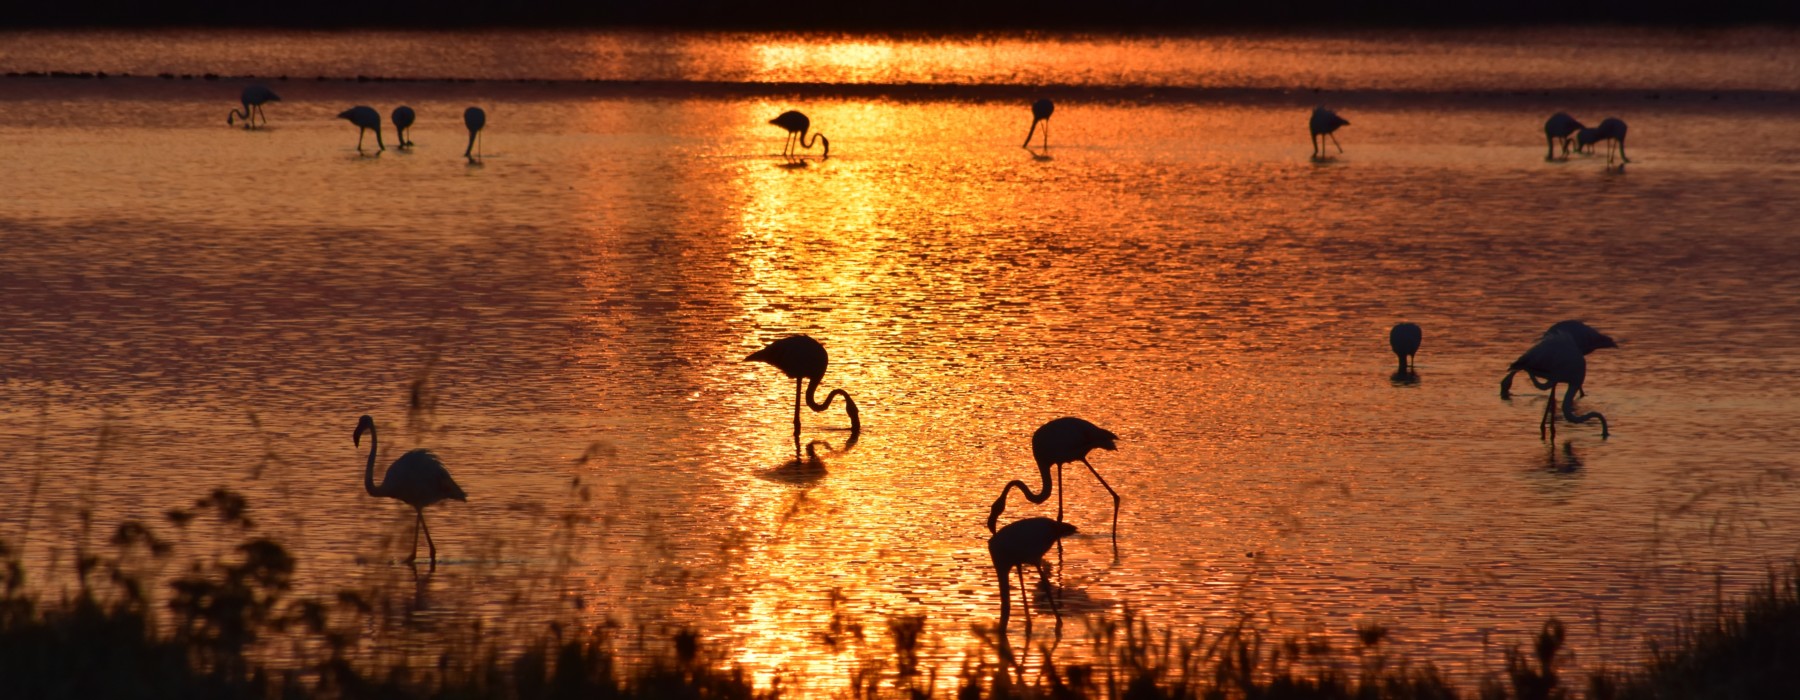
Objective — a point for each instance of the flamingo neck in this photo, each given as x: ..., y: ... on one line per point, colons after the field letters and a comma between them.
x: 1042, y: 495
x: 812, y: 402
x: 369, y: 473
x: 816, y: 137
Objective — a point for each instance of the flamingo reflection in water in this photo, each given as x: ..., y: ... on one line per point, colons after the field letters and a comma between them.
x: 253, y: 97
x: 804, y: 359
x: 1019, y: 544
x: 797, y: 126
x: 1059, y: 442
x: 418, y: 479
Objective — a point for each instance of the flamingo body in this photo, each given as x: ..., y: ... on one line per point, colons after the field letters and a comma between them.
x: 418, y: 479
x: 1017, y: 545
x: 365, y: 118
x: 797, y: 126
x: 803, y: 359
x: 1325, y: 123
x: 1404, y: 339
x: 474, y: 118
x: 253, y: 97
x: 1585, y: 337
x: 1560, y: 127
x: 1056, y: 443
x: 403, y: 120
x: 1040, y: 112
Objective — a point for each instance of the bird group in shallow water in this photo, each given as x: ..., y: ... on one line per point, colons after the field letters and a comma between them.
x: 419, y: 479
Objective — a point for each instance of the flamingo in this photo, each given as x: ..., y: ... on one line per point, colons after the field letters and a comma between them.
x: 804, y: 359
x: 1040, y: 112
x: 1587, y: 137
x: 473, y: 118
x: 1560, y: 127
x: 417, y: 479
x: 403, y: 120
x: 1612, y: 130
x: 1325, y: 123
x: 797, y: 125
x: 1586, y: 338
x: 1557, y: 357
x: 365, y: 118
x: 1056, y: 443
x: 1404, y: 339
x: 1018, y: 544
x: 253, y: 97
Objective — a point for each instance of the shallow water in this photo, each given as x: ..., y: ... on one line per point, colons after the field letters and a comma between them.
x: 577, y: 307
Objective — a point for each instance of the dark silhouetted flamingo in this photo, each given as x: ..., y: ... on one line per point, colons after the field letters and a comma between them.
x: 1017, y: 545
x: 1557, y: 358
x: 803, y: 359
x: 1325, y: 123
x: 365, y: 118
x: 1404, y: 339
x: 1059, y: 442
x: 1560, y: 127
x: 417, y: 479
x: 1040, y: 112
x: 1612, y: 130
x: 1586, y: 338
x: 474, y: 119
x: 403, y: 120
x: 797, y: 125
x: 253, y: 97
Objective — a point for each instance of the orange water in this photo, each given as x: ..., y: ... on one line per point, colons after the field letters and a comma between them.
x: 1178, y: 272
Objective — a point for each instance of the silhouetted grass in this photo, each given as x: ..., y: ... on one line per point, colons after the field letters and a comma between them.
x: 227, y: 615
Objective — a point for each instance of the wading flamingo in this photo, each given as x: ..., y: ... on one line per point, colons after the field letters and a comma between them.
x: 417, y: 479
x: 1404, y: 339
x: 797, y: 125
x: 1586, y: 338
x: 474, y: 118
x: 1059, y: 442
x: 403, y: 120
x: 1612, y: 131
x: 1560, y: 127
x: 1557, y: 358
x: 1017, y: 545
x: 1040, y: 112
x: 804, y: 359
x: 365, y: 118
x: 253, y: 97
x: 1325, y: 123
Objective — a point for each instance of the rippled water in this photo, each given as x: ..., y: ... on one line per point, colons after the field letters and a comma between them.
x: 576, y: 310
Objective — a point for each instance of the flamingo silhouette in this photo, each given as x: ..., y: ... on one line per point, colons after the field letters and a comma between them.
x: 403, y: 120
x: 1040, y: 112
x: 1612, y: 130
x: 1586, y: 338
x: 1324, y: 123
x: 474, y: 118
x: 1016, y: 545
x: 417, y: 479
x: 253, y: 97
x: 1560, y: 127
x: 804, y: 359
x: 365, y: 118
x: 797, y: 125
x: 1557, y: 357
x: 1404, y: 339
x: 1056, y: 443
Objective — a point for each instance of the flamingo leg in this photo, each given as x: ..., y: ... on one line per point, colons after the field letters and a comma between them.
x: 1334, y: 142
x: 413, y: 554
x: 1030, y: 133
x: 359, y: 137
x: 797, y: 410
x: 1046, y: 135
x: 1115, y: 495
x: 431, y: 546
x: 1043, y: 569
x: 1025, y: 600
